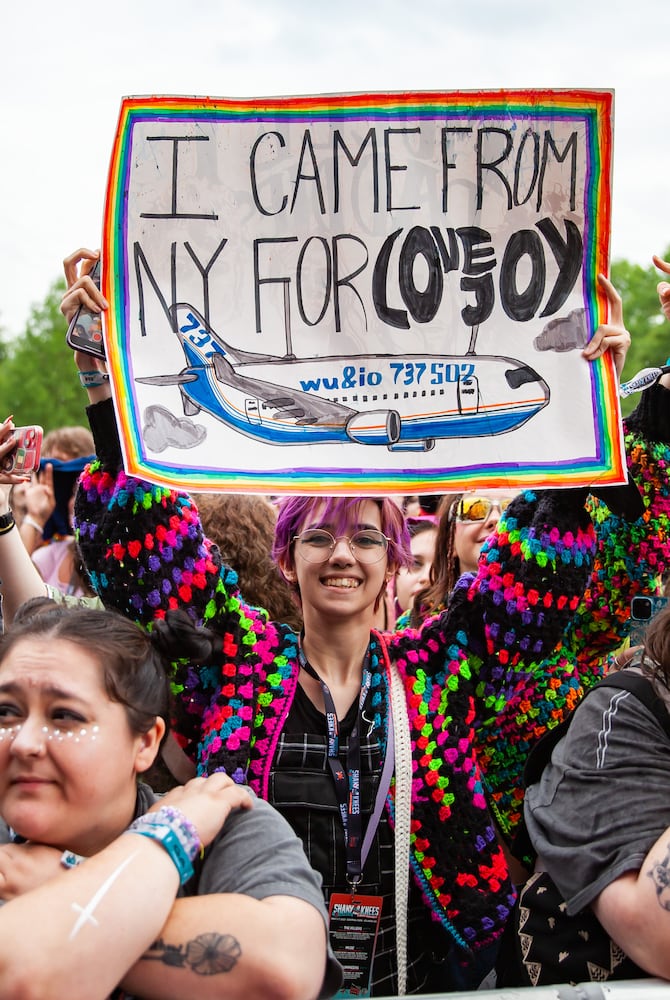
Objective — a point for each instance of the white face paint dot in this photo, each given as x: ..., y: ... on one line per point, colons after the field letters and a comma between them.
x: 50, y: 734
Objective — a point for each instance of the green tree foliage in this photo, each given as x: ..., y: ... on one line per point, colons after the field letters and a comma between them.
x: 649, y: 330
x: 38, y: 381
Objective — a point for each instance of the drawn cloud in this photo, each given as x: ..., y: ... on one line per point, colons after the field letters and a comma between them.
x: 567, y: 333
x: 162, y: 429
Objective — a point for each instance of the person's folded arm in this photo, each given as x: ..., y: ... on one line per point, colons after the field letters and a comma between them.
x: 102, y: 915
x: 635, y: 910
x: 234, y: 946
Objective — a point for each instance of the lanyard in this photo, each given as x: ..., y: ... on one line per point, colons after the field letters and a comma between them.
x: 347, y: 779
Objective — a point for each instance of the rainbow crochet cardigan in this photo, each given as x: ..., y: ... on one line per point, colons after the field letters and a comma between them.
x: 145, y: 551
x: 526, y: 694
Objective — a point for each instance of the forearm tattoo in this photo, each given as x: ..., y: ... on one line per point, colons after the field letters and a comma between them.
x: 660, y: 876
x: 206, y: 955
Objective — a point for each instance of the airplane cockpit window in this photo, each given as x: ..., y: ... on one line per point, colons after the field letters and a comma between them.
x: 517, y: 377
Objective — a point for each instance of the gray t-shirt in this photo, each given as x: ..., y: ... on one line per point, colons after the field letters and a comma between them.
x: 256, y: 854
x: 604, y: 799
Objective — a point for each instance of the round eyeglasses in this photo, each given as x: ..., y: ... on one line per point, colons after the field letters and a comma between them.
x: 316, y: 545
x: 477, y: 508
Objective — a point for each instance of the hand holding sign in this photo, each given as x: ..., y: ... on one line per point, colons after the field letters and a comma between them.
x: 613, y: 335
x: 663, y: 287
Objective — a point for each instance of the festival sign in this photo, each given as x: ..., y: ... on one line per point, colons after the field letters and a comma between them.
x: 363, y: 293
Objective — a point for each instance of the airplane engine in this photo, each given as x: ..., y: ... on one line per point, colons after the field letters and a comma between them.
x: 374, y: 427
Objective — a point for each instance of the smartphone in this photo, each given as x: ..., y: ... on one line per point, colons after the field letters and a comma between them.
x: 642, y: 611
x: 85, y: 330
x: 25, y: 455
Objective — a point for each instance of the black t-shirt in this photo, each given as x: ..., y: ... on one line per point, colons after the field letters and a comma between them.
x: 302, y: 789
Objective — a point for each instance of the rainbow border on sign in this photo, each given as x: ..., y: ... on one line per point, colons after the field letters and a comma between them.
x: 593, y: 108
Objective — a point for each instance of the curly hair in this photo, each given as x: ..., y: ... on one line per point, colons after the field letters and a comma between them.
x: 243, y: 528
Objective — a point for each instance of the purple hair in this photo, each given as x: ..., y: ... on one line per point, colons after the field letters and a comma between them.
x: 340, y: 512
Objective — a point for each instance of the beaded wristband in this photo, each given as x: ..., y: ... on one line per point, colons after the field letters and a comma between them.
x: 170, y: 828
x: 92, y: 379
x: 7, y: 522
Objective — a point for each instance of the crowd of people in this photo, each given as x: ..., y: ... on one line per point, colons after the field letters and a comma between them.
x: 354, y: 688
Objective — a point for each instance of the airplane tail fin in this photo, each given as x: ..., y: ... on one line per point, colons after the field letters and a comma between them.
x: 197, y: 335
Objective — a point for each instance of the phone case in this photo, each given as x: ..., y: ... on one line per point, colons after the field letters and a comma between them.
x: 25, y: 457
x: 85, y: 333
x: 85, y: 330
x: 642, y: 613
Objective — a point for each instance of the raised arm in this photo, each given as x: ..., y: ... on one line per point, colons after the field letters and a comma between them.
x: 143, y: 545
x: 633, y: 553
x: 19, y: 578
x: 146, y: 552
x: 633, y: 556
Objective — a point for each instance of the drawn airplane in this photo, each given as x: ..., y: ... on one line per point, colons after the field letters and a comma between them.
x: 405, y: 402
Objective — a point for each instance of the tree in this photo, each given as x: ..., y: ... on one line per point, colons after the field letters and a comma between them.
x: 648, y: 328
x: 4, y: 350
x: 38, y: 382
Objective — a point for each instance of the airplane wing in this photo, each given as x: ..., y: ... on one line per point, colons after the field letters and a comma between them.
x: 180, y: 379
x: 303, y: 407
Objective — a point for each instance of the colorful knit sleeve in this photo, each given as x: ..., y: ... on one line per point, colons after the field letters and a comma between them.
x: 530, y: 581
x: 527, y: 687
x: 532, y: 574
x: 145, y: 551
x: 143, y: 545
x: 632, y: 557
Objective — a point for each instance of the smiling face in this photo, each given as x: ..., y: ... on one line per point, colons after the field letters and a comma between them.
x: 68, y: 757
x: 414, y: 578
x: 342, y: 586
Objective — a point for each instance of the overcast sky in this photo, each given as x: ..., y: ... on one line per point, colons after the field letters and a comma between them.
x: 65, y: 66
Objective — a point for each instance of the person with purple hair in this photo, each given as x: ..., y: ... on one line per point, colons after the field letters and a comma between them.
x: 365, y: 741
x: 289, y: 713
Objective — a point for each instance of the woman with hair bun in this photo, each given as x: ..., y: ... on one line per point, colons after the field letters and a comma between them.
x: 183, y: 885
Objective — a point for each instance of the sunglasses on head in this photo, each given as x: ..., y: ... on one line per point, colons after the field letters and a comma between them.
x: 477, y: 508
